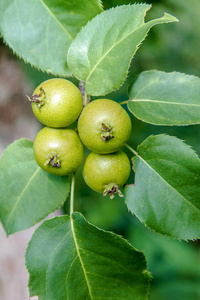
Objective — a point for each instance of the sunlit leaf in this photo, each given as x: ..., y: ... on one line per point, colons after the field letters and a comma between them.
x: 101, y: 53
x: 41, y: 31
x: 68, y: 258
x: 165, y: 98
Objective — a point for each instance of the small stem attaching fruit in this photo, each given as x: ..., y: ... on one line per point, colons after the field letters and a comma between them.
x: 72, y: 195
x: 86, y: 98
x: 38, y: 99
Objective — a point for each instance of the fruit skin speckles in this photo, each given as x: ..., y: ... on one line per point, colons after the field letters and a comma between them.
x: 106, y: 173
x: 58, y: 151
x: 57, y: 102
x: 104, y: 126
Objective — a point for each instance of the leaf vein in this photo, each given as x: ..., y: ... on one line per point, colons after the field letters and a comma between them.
x: 80, y: 259
x: 165, y: 102
x: 69, y: 272
x: 111, y: 48
x: 111, y: 278
x: 20, y: 196
x: 54, y: 250
x: 108, y: 258
x: 162, y: 179
x: 64, y: 29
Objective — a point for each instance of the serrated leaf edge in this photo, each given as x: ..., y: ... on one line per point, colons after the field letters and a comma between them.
x: 160, y: 72
x: 144, y: 271
x: 36, y: 67
x: 29, y: 245
x: 112, y: 8
x: 163, y: 72
x: 138, y: 156
x: 8, y: 232
x: 135, y: 4
x: 167, y: 182
x: 71, y: 219
x: 137, y: 47
x: 174, y: 137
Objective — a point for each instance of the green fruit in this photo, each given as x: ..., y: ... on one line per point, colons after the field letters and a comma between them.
x: 57, y: 102
x: 104, y: 126
x: 106, y: 173
x: 58, y: 151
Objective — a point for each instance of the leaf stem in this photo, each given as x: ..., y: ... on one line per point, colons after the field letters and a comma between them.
x: 124, y: 102
x: 72, y: 195
x: 132, y: 150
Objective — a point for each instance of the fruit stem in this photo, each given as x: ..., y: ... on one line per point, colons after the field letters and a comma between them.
x: 86, y: 98
x: 72, y: 195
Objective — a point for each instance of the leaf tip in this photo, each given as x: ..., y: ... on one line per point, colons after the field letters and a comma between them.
x: 170, y: 17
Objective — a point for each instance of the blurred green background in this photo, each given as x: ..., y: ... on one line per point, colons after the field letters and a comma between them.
x: 174, y: 265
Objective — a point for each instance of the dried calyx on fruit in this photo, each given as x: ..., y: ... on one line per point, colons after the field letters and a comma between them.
x: 107, y: 173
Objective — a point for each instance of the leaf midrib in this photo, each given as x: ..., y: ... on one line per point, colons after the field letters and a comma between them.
x: 80, y: 259
x: 154, y: 171
x: 165, y: 102
x: 112, y: 49
x: 147, y: 24
x: 20, y: 196
x: 60, y: 24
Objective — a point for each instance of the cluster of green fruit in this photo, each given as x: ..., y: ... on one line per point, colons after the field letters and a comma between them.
x: 103, y: 127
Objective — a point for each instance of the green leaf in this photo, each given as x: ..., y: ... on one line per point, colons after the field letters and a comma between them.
x: 28, y: 194
x: 68, y: 258
x: 165, y: 196
x: 165, y: 98
x: 41, y: 31
x: 101, y: 53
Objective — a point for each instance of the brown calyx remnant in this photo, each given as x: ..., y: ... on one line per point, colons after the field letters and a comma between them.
x: 106, y: 133
x: 111, y: 189
x: 53, y: 161
x: 39, y: 99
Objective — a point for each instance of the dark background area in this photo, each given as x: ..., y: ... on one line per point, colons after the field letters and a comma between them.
x: 175, y: 265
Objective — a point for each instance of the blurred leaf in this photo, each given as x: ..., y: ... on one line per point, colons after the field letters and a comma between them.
x: 105, y: 212
x: 28, y: 194
x: 167, y: 187
x: 176, y: 48
x: 72, y: 259
x: 101, y: 55
x: 165, y: 98
x: 174, y: 265
x: 165, y: 255
x: 41, y: 31
x: 181, y: 289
